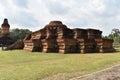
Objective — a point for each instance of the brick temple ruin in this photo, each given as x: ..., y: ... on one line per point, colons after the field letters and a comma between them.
x: 58, y: 38
x: 5, y: 38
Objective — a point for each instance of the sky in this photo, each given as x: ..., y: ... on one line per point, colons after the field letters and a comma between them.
x: 35, y: 14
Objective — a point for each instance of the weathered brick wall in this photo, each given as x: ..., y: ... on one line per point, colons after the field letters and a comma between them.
x: 56, y: 37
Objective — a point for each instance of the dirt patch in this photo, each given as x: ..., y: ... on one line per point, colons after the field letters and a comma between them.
x: 62, y: 76
x: 112, y: 73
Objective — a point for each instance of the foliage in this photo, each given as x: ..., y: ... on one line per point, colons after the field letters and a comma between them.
x: 17, y: 34
x: 115, y: 35
x: 19, y: 64
x: 115, y: 32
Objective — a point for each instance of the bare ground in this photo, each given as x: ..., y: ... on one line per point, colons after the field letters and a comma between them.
x: 112, y: 73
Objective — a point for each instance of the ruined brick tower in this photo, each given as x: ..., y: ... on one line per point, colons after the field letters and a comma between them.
x: 5, y: 27
x: 5, y: 38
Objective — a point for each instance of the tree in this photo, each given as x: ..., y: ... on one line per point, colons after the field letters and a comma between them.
x: 17, y: 34
x: 115, y: 32
x: 115, y: 35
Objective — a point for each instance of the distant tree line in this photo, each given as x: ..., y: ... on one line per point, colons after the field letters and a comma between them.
x: 18, y: 34
x: 21, y: 33
x: 115, y: 35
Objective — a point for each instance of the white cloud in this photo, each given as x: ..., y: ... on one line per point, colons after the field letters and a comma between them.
x: 35, y: 14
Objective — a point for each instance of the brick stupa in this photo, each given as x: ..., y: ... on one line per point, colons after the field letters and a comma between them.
x: 5, y: 38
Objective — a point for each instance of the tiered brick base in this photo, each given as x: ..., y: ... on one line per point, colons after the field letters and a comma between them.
x: 56, y: 37
x: 67, y: 45
x: 86, y: 45
x: 49, y: 45
x: 104, y: 45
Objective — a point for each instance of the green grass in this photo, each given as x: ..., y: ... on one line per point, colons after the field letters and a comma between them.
x: 24, y: 65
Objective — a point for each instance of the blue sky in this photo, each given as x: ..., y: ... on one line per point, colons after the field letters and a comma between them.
x: 35, y: 14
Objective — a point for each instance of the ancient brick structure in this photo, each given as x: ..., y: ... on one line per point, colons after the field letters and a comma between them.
x: 5, y: 38
x: 16, y: 45
x: 57, y: 37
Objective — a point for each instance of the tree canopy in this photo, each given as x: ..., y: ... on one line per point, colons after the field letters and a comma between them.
x: 17, y: 34
x: 115, y: 35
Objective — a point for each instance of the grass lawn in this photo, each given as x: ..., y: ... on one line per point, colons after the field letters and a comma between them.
x: 24, y: 65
